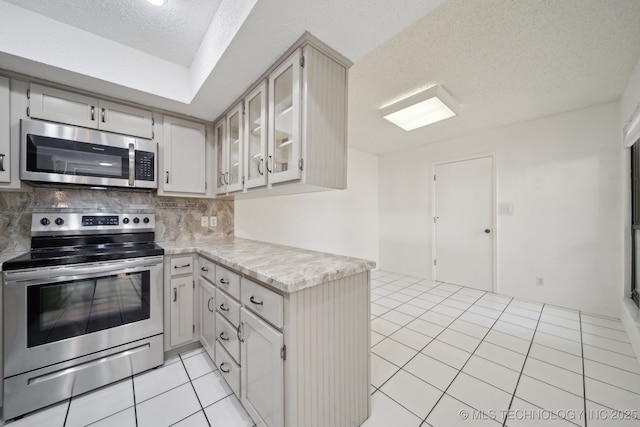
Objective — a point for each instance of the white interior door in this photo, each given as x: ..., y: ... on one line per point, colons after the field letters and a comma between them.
x: 463, y: 225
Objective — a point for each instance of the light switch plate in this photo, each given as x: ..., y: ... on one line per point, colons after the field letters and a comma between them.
x: 204, y: 221
x: 213, y: 221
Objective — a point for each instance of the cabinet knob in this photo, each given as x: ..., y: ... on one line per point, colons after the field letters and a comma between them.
x: 486, y: 230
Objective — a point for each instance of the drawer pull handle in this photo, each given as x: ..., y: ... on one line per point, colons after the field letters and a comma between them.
x: 224, y: 281
x: 223, y: 336
x: 2, y: 169
x: 222, y: 365
x: 255, y: 301
x: 224, y: 307
x: 209, y: 304
x: 239, y: 333
x: 204, y: 269
x: 182, y: 266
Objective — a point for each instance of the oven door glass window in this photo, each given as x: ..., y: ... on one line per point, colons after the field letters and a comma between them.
x: 65, y: 157
x: 69, y: 309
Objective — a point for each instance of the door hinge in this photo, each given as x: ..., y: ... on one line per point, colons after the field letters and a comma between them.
x: 153, y: 135
x: 434, y: 219
x: 243, y: 180
x: 153, y: 121
x: 302, y: 61
x: 194, y: 284
x: 28, y: 112
x: 28, y: 93
x: 435, y: 262
x: 283, y: 352
x: 434, y: 177
x: 301, y: 164
x: 194, y: 329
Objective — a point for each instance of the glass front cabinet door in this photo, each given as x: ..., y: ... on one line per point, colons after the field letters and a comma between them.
x: 234, y: 178
x: 221, y: 171
x: 283, y: 161
x: 255, y: 137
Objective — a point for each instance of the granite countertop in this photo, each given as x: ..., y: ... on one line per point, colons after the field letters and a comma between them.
x: 285, y: 268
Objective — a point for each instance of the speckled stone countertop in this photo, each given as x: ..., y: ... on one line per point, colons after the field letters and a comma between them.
x: 285, y: 268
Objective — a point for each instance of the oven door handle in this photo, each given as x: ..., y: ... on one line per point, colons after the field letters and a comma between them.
x: 60, y: 274
x: 132, y: 165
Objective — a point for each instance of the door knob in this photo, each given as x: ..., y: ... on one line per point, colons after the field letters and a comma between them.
x: 486, y: 230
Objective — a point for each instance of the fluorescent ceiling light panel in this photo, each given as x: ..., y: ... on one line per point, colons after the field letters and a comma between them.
x: 422, y: 109
x: 157, y: 2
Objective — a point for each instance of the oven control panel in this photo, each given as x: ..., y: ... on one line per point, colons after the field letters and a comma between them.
x: 65, y: 223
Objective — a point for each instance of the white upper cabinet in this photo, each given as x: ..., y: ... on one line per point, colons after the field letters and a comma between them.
x: 284, y: 160
x: 255, y: 137
x: 5, y: 131
x: 80, y: 110
x: 120, y: 118
x: 220, y: 135
x: 294, y: 127
x: 234, y: 177
x: 183, y: 157
x: 229, y: 133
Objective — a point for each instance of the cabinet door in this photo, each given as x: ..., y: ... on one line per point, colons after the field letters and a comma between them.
x: 182, y: 325
x: 126, y: 120
x: 283, y: 161
x: 255, y: 137
x: 262, y: 370
x: 184, y: 156
x: 234, y: 178
x: 221, y: 157
x: 5, y: 131
x: 60, y: 106
x: 207, y: 316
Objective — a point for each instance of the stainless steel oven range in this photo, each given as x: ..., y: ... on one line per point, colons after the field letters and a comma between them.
x: 82, y: 309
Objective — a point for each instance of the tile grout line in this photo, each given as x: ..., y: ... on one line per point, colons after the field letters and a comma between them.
x: 524, y: 362
x: 467, y: 361
x: 135, y: 405
x: 194, y: 392
x: 379, y: 389
x: 584, y: 380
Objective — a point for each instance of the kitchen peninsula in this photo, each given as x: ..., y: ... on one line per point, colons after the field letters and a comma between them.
x: 288, y: 328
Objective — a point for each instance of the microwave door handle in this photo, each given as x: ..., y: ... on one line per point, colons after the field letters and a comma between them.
x: 132, y: 164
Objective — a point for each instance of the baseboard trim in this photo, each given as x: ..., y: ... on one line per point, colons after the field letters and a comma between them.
x: 630, y: 317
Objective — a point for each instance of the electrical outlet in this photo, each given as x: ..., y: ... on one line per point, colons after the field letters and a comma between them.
x: 539, y: 281
x: 204, y: 221
x: 213, y: 221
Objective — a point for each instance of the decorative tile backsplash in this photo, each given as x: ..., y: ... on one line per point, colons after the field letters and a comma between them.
x: 177, y: 219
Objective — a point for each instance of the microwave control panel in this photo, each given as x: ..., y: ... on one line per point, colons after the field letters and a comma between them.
x: 145, y: 166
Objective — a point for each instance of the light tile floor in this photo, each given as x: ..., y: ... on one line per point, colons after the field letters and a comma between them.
x: 442, y: 355
x: 187, y: 391
x: 445, y: 355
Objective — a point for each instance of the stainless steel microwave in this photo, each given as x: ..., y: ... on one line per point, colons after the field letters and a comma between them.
x: 52, y: 153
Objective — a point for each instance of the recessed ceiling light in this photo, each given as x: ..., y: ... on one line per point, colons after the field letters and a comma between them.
x: 422, y: 109
x: 157, y: 2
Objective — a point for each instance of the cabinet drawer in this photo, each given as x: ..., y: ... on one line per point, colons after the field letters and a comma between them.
x: 229, y: 308
x: 264, y: 302
x: 227, y: 335
x: 229, y: 369
x: 181, y: 265
x: 228, y: 281
x: 208, y: 269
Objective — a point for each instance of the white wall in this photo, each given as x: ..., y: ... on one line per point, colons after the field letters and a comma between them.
x: 563, y: 175
x: 344, y: 222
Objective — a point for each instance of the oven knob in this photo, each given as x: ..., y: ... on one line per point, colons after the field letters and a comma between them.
x: 146, y: 220
x: 59, y: 221
x: 45, y: 221
x: 136, y: 220
x: 125, y: 221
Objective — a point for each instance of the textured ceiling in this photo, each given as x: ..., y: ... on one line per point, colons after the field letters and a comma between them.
x: 172, y: 32
x: 504, y: 61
